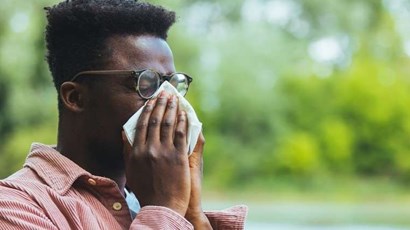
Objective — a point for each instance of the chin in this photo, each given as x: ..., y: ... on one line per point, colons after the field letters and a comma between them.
x: 108, y: 155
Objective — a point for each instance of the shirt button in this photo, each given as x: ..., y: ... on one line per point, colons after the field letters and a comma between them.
x: 117, y: 206
x: 92, y: 181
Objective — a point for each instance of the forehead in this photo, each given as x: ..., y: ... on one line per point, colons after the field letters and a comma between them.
x: 140, y: 52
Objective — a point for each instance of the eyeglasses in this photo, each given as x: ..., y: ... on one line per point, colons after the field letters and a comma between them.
x: 147, y: 81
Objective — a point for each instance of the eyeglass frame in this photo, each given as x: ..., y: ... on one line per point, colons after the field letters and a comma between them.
x: 135, y: 74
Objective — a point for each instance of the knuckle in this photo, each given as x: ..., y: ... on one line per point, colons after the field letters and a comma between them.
x: 142, y: 125
x: 179, y: 160
x: 172, y: 105
x: 162, y: 101
x: 163, y: 136
x: 167, y: 123
x: 151, y: 154
x: 153, y: 121
x: 181, y: 119
x: 179, y: 132
x: 148, y: 108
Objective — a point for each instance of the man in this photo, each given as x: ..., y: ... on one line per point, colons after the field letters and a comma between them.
x: 107, y: 58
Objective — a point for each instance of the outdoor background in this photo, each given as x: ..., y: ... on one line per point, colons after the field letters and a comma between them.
x: 305, y: 104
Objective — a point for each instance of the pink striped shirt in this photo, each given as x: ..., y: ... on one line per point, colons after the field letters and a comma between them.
x: 52, y: 192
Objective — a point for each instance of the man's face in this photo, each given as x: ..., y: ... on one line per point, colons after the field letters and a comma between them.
x: 113, y: 100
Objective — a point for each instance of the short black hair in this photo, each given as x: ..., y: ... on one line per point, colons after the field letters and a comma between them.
x: 78, y: 29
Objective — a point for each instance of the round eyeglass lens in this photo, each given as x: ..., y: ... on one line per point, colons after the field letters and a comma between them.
x: 180, y: 82
x: 148, y: 83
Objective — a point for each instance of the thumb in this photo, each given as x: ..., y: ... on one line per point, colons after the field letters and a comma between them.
x: 126, y: 145
x: 199, y: 147
x: 195, y: 159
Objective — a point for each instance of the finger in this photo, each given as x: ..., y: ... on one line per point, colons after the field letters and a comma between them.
x: 180, y: 140
x: 195, y: 168
x: 200, y: 143
x: 169, y: 120
x: 155, y: 119
x: 142, y: 123
x: 196, y: 158
x: 126, y: 146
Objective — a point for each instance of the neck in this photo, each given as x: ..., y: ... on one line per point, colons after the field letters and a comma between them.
x: 93, y: 157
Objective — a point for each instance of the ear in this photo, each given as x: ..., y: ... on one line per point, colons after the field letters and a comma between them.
x: 72, y: 96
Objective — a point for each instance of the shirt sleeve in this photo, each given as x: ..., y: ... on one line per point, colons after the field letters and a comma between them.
x: 232, y: 218
x: 156, y: 217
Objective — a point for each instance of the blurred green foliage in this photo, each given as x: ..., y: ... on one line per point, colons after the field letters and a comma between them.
x: 285, y: 89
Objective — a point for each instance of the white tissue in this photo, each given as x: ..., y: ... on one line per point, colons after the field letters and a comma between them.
x: 194, y: 125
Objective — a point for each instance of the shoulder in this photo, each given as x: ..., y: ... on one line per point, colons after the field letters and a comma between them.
x: 21, y: 185
x: 19, y: 206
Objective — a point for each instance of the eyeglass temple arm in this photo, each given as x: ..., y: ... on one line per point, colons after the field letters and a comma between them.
x: 103, y: 72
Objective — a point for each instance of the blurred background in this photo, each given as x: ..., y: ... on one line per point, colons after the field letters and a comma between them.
x: 305, y: 104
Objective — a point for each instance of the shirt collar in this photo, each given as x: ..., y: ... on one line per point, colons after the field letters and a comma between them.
x: 55, y: 169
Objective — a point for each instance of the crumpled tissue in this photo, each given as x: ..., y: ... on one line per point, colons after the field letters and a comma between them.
x: 194, y: 125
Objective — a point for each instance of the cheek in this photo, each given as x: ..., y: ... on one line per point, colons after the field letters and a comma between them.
x: 110, y: 110
x: 108, y: 120
x: 124, y: 109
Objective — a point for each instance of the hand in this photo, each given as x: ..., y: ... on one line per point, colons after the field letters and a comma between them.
x: 157, y: 167
x: 194, y: 214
